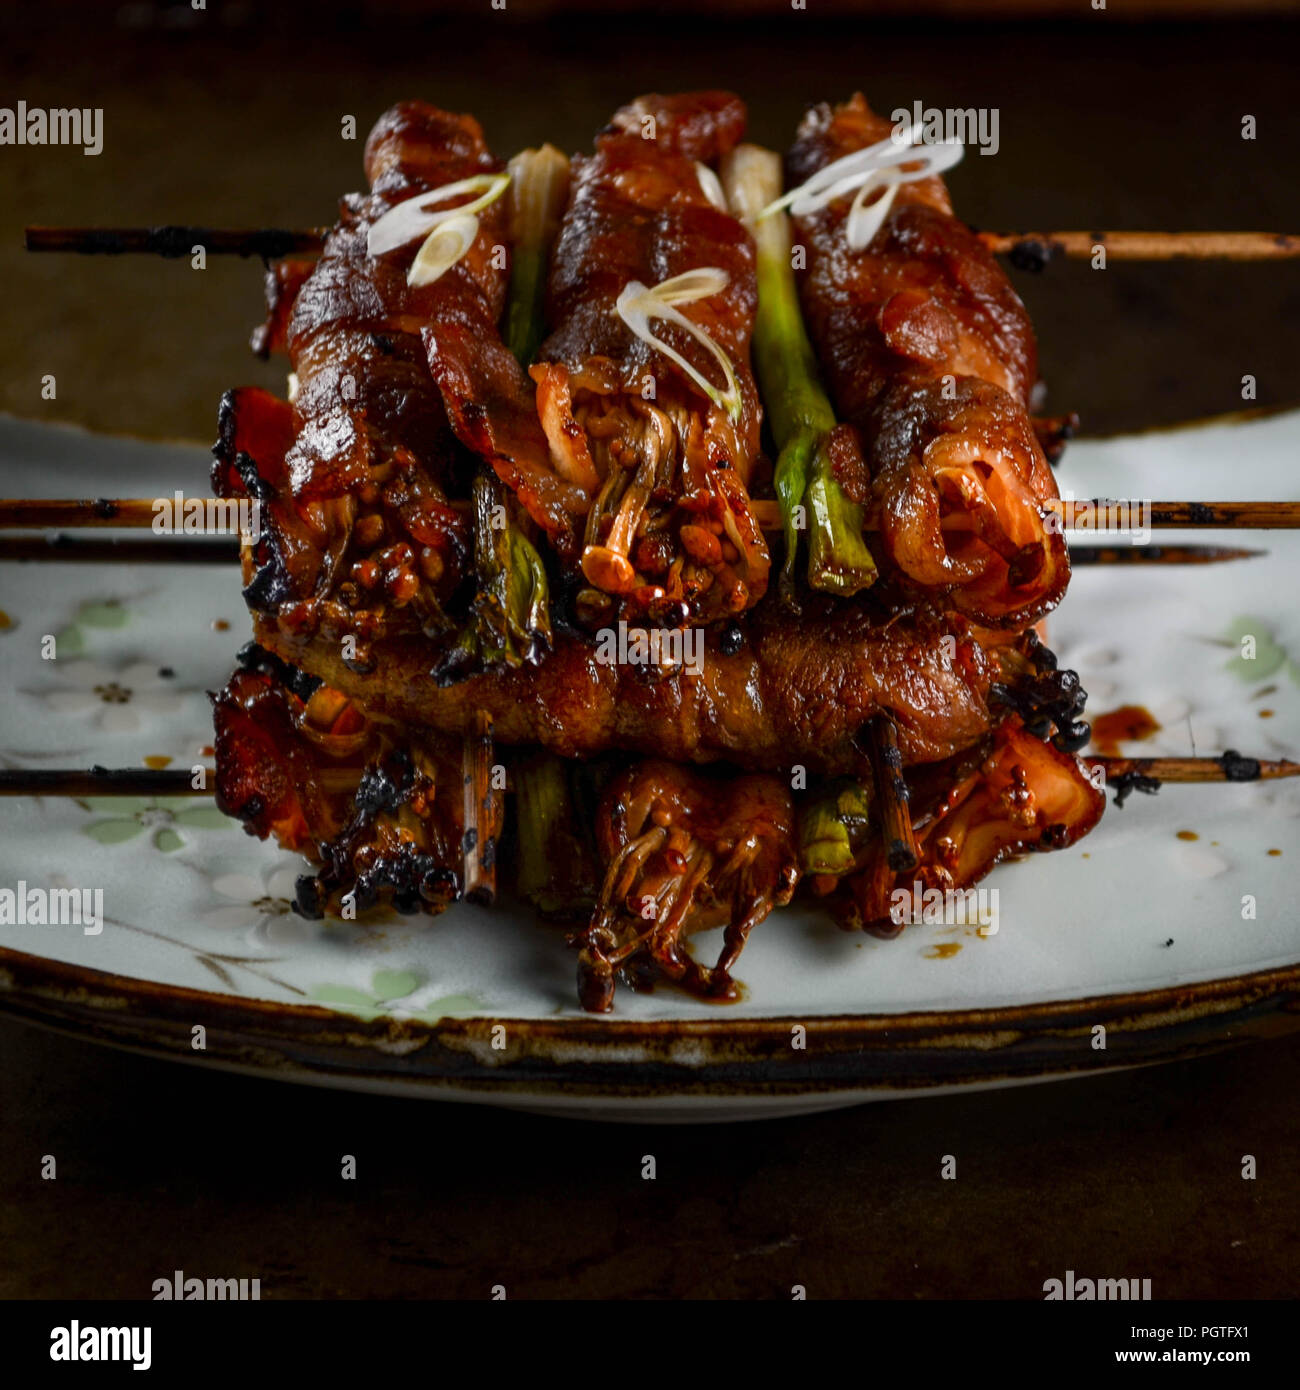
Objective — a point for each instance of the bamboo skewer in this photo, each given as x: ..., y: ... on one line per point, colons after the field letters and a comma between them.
x: 136, y: 781
x: 1227, y: 767
x: 1028, y: 250
x: 1158, y: 555
x: 1033, y: 250
x: 171, y: 550
x: 484, y: 814
x: 1080, y: 515
x: 892, y: 797
x: 209, y: 550
x: 1122, y: 774
x: 173, y: 242
x: 103, y: 781
x: 124, y: 513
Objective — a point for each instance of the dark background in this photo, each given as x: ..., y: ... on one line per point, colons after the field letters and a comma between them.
x: 235, y: 120
x: 232, y: 117
x: 165, y: 1167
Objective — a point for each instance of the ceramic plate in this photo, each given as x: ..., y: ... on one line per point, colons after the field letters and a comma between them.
x: 1172, y: 927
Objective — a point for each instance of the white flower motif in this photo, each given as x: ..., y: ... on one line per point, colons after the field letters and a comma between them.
x: 120, y: 696
x: 262, y: 904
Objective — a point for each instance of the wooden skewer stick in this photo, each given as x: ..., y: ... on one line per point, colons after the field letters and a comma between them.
x: 140, y: 781
x: 222, y: 550
x: 892, y: 796
x: 484, y: 813
x: 171, y: 550
x: 1095, y: 514
x: 1033, y: 250
x: 1157, y: 554
x: 1086, y: 516
x: 126, y: 513
x: 103, y: 781
x: 1029, y: 250
x: 136, y: 781
x: 1227, y: 767
x: 173, y: 242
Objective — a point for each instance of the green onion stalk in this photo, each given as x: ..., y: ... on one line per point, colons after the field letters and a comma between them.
x: 834, y: 823
x: 512, y: 618
x: 798, y: 409
x: 539, y: 186
x: 555, y: 867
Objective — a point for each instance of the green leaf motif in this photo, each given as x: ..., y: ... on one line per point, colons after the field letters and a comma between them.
x: 112, y: 832
x: 394, y: 984
x: 344, y: 997
x: 1268, y: 658
x: 341, y: 994
x: 167, y: 840
x: 451, y: 1004
x: 106, y: 614
x: 69, y: 642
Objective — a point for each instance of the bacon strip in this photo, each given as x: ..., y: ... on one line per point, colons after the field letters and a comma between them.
x: 684, y: 850
x: 1019, y: 793
x: 494, y: 412
x: 930, y: 355
x: 281, y: 285
x: 356, y: 475
x: 380, y: 814
x: 669, y: 531
x: 790, y: 694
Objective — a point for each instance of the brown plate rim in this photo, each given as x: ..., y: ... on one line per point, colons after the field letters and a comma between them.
x: 589, y: 1057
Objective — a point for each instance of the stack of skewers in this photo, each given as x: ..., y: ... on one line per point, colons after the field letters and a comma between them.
x: 667, y: 530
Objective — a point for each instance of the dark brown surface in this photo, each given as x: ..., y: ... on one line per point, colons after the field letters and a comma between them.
x: 163, y: 1167
x: 1101, y: 125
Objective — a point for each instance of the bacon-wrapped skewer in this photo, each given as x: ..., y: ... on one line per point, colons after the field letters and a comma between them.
x: 684, y: 850
x: 643, y: 386
x: 1017, y: 792
x: 931, y: 357
x: 356, y: 472
x: 765, y: 694
x: 379, y: 810
x: 630, y: 449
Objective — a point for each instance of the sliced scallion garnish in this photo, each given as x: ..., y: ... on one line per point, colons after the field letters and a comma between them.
x: 417, y: 217
x: 443, y: 247
x: 878, y: 170
x: 638, y: 304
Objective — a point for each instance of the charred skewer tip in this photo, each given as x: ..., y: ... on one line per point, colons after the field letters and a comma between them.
x: 484, y: 813
x: 1127, y: 775
x: 893, y: 797
x: 172, y: 242
x: 1027, y: 250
